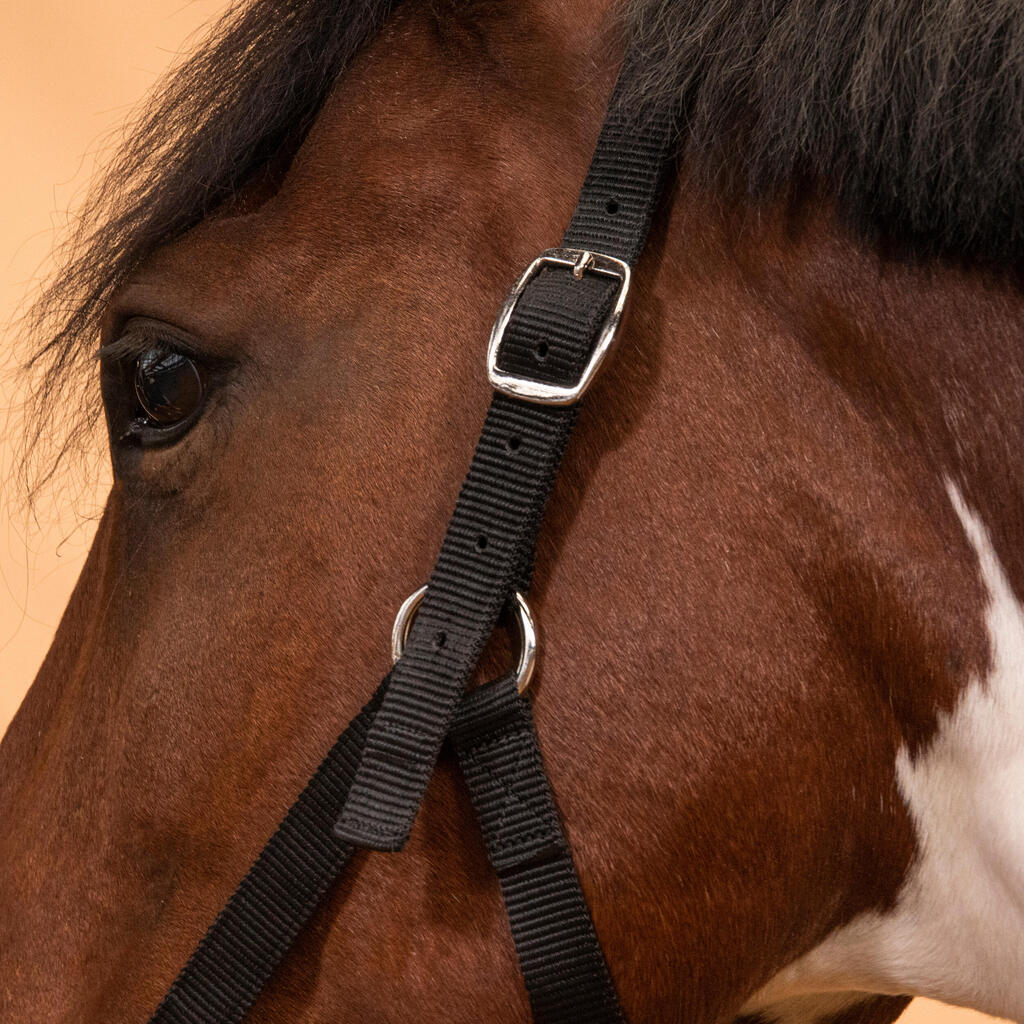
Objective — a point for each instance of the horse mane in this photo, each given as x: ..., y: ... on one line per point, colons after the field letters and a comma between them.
x: 908, y: 112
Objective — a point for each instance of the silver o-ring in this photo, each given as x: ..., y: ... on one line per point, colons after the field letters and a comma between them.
x: 526, y: 627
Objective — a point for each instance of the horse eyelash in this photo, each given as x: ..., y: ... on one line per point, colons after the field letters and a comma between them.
x: 132, y: 343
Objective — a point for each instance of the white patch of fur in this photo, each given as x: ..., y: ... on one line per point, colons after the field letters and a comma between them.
x: 957, y: 931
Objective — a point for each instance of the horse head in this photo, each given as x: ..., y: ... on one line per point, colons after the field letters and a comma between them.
x: 781, y: 689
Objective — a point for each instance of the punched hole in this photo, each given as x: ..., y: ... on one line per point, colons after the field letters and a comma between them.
x: 513, y: 444
x: 481, y: 543
x: 612, y: 206
x: 541, y: 351
x: 440, y: 639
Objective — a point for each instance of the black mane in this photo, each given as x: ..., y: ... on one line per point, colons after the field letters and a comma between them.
x: 909, y: 112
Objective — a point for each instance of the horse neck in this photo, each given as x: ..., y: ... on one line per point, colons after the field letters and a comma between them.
x: 926, y: 355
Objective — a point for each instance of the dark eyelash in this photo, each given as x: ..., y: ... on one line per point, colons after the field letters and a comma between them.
x: 138, y: 339
x: 133, y: 343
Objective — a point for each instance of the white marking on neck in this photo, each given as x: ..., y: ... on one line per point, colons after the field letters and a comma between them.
x: 957, y: 931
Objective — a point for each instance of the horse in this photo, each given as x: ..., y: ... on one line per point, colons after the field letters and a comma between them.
x: 781, y: 681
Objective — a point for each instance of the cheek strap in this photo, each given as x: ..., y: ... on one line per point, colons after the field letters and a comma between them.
x: 554, y: 331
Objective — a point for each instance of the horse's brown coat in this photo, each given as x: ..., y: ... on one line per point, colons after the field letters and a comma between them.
x: 752, y: 588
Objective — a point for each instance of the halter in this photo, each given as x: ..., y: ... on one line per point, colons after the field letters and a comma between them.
x: 557, y: 326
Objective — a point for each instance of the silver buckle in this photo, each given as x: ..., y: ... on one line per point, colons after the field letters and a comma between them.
x: 581, y: 261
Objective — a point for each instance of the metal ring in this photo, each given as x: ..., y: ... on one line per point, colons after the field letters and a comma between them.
x: 527, y: 630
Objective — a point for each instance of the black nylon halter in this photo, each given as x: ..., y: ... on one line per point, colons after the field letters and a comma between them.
x: 369, y: 787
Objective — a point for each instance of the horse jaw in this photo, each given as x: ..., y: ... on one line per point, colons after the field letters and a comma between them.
x: 956, y: 932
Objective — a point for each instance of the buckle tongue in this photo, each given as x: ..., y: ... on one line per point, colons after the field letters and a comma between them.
x: 580, y: 261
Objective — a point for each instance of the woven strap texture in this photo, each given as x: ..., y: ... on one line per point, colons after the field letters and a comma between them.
x: 563, y: 967
x: 257, y: 927
x: 368, y: 789
x: 488, y: 548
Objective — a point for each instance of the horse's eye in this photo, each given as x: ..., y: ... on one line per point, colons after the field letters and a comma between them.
x: 168, y: 387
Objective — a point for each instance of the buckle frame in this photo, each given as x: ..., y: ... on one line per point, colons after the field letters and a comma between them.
x: 580, y: 261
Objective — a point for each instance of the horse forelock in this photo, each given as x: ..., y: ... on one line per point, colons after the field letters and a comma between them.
x: 238, y: 107
x: 907, y: 112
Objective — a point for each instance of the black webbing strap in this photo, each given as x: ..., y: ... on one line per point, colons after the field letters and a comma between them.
x: 561, y: 960
x: 488, y: 548
x: 563, y: 968
x: 257, y: 927
x: 483, y: 553
x: 369, y: 787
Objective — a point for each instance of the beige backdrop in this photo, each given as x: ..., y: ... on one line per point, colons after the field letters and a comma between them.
x: 69, y: 73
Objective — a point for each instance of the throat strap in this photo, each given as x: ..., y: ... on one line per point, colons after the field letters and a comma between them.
x: 560, y: 957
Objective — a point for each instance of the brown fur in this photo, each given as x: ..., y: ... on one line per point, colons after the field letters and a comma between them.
x: 752, y: 587
x: 906, y: 114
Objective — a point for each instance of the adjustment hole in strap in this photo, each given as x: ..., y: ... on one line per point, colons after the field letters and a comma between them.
x: 612, y: 206
x: 540, y: 353
x: 481, y: 543
x: 526, y: 627
x: 513, y: 444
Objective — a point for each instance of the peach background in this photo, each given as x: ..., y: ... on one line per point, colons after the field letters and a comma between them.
x: 69, y: 73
